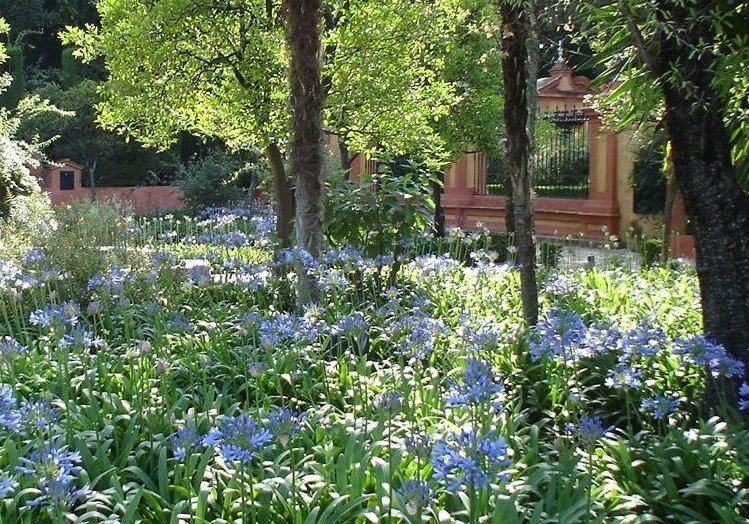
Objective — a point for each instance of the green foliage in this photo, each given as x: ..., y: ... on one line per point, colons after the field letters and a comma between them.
x: 121, y: 404
x: 212, y: 180
x: 86, y: 239
x: 13, y: 94
x: 380, y: 212
x: 30, y: 221
x: 648, y: 174
x: 551, y: 253
x: 650, y: 250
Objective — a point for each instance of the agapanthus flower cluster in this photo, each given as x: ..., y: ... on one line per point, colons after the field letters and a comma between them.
x: 10, y: 416
x: 419, y: 445
x: 55, y: 470
x: 589, y: 429
x: 33, y: 257
x: 646, y: 340
x: 238, y: 439
x: 350, y: 325
x: 63, y: 314
x: 10, y: 348
x: 469, y: 460
x: 558, y: 337
x: 660, y: 407
x: 285, y: 424
x: 624, y: 376
x: 744, y: 397
x: 561, y: 286
x: 229, y: 239
x: 185, y: 441
x: 81, y: 337
x: 39, y: 415
x: 417, y: 495
x: 417, y: 334
x: 223, y: 216
x: 199, y: 274
x: 114, y: 281
x: 479, y: 385
x: 253, y: 276
x: 703, y: 351
x: 431, y: 266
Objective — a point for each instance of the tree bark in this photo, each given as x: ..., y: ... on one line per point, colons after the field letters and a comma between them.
x: 515, y: 75
x: 92, y: 177
x: 307, y: 96
x: 672, y: 190
x: 713, y: 199
x: 438, y: 186
x: 283, y: 196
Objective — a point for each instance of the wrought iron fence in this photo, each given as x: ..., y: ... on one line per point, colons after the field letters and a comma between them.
x: 561, y: 158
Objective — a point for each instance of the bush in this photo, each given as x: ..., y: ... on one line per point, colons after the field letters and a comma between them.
x: 88, y: 239
x: 380, y: 213
x: 551, y: 254
x: 650, y: 249
x: 211, y: 181
x: 30, y: 222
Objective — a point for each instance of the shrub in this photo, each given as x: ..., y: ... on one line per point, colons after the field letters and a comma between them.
x: 650, y: 249
x: 211, y: 181
x: 551, y: 254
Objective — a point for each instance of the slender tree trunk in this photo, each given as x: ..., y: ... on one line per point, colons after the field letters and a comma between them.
x: 283, y: 196
x: 92, y: 177
x: 303, y: 40
x: 439, y: 212
x: 514, y: 70
x: 672, y: 190
x: 713, y: 199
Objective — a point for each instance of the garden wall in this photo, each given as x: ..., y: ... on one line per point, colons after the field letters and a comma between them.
x: 64, y: 185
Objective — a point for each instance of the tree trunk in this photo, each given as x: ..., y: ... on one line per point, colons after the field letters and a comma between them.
x: 283, y: 196
x: 514, y: 71
x: 303, y: 40
x: 713, y: 200
x: 438, y: 186
x: 668, y: 206
x: 92, y: 177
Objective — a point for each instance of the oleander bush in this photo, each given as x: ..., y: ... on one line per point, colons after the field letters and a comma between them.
x: 182, y: 385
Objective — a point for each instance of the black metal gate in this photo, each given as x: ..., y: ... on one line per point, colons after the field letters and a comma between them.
x: 562, y: 160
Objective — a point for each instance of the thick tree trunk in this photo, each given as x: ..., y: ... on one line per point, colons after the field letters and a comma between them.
x: 514, y: 63
x: 283, y: 196
x: 303, y: 39
x: 715, y: 203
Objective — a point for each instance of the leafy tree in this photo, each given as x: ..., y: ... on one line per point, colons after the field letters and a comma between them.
x: 220, y: 67
x: 682, y: 55
x: 15, y: 156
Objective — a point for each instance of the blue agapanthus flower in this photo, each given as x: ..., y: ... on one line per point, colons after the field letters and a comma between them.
x: 285, y: 424
x: 744, y: 397
x: 65, y: 314
x: 10, y: 348
x: 55, y: 470
x: 624, y: 376
x: 417, y: 495
x: 589, y: 429
x: 703, y: 351
x: 559, y: 337
x: 659, y: 407
x: 419, y: 445
x: 645, y: 340
x: 81, y: 337
x: 38, y: 415
x: 7, y: 487
x: 469, y: 460
x: 479, y: 385
x: 184, y: 441
x: 238, y: 439
x: 10, y: 416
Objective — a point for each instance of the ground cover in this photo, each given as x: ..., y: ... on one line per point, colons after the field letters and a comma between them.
x: 141, y: 389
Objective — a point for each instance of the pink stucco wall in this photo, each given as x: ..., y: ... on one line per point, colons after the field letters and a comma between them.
x: 143, y: 199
